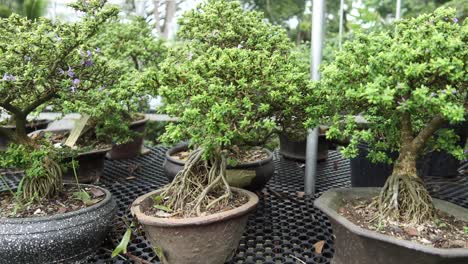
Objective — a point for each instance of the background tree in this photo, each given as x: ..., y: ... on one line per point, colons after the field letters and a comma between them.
x: 31, y: 9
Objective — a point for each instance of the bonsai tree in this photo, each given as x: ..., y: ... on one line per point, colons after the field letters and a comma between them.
x: 132, y: 43
x: 408, y: 83
x: 44, y: 61
x: 226, y: 82
x: 290, y: 113
x: 135, y: 55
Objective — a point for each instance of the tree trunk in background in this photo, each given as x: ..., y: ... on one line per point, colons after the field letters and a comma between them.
x: 156, y: 17
x: 170, y: 14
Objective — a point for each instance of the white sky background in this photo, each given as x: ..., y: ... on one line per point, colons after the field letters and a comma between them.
x: 58, y: 9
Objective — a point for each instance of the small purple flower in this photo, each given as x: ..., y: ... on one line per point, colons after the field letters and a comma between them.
x: 76, y: 81
x: 70, y: 72
x: 73, y: 89
x: 454, y: 92
x: 27, y: 58
x: 240, y: 46
x: 89, y: 53
x: 87, y: 63
x: 428, y: 50
x: 9, y: 77
x: 403, y: 99
x: 62, y: 72
x: 455, y: 20
x: 465, y: 151
x: 101, y: 88
x: 98, y: 50
x: 433, y: 94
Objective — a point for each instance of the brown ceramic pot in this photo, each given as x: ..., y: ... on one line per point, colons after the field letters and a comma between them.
x: 209, y: 239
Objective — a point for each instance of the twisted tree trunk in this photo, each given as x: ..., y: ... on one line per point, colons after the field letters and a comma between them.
x: 404, y: 196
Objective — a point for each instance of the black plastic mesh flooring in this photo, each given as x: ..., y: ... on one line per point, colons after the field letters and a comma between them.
x: 282, y: 230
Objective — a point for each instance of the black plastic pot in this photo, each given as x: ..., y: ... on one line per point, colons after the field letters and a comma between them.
x: 437, y: 163
x: 356, y: 245
x: 296, y: 150
x: 64, y: 238
x: 30, y: 127
x: 365, y: 173
x: 133, y: 148
x: 264, y: 169
x: 90, y: 166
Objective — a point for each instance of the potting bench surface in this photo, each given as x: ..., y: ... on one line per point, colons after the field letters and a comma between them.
x: 284, y: 227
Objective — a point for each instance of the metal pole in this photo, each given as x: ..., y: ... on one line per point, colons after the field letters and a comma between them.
x: 318, y: 16
x: 398, y: 9
x: 340, y: 29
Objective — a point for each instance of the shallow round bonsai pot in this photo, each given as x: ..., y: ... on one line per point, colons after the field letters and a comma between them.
x: 63, y: 238
x: 90, y: 166
x: 263, y: 169
x: 356, y: 245
x: 30, y: 127
x: 132, y: 148
x: 209, y: 239
x: 296, y: 149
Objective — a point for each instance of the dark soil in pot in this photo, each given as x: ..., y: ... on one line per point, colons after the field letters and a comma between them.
x: 356, y: 245
x: 30, y: 127
x: 132, y: 148
x: 446, y: 232
x: 296, y: 149
x: 207, y: 239
x: 61, y: 238
x: 65, y: 202
x: 251, y: 175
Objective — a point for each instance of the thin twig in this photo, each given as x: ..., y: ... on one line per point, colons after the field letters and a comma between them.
x: 298, y: 259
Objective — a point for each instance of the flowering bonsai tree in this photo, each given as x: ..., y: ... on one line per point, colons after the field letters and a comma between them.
x: 225, y: 84
x: 408, y: 83
x: 44, y: 62
x: 135, y: 54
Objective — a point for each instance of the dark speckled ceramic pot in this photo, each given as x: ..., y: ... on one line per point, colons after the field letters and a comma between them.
x: 64, y: 238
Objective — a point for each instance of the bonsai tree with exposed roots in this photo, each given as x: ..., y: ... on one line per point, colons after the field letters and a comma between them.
x: 408, y: 83
x: 44, y: 62
x: 225, y: 84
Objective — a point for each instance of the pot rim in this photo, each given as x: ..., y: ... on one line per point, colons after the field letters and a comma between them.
x: 184, y: 145
x: 322, y: 203
x: 51, y: 218
x: 38, y: 122
x: 144, y: 120
x: 249, y: 206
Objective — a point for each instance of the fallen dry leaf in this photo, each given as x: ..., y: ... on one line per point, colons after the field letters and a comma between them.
x: 319, y: 246
x: 300, y: 194
x: 411, y: 231
x: 96, y: 192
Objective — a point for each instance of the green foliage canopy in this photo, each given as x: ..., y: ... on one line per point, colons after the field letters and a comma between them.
x: 410, y: 78
x: 44, y: 61
x: 229, y: 80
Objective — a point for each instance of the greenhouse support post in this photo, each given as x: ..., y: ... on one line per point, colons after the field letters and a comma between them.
x: 318, y: 16
x: 398, y: 9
